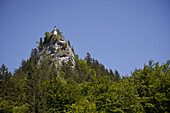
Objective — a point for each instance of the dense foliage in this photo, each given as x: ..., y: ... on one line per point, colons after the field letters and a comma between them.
x: 89, y: 87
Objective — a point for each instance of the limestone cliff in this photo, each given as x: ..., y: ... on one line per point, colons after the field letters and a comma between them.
x: 56, y: 50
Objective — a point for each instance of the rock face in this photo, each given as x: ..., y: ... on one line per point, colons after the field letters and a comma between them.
x: 56, y: 50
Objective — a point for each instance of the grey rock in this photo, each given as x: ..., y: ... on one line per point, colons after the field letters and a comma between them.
x: 57, y: 51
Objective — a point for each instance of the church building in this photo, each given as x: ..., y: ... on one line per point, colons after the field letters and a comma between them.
x: 55, y: 31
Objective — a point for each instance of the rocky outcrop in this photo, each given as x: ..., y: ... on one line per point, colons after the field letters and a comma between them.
x: 56, y: 50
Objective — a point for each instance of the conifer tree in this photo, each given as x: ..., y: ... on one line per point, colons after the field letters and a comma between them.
x: 88, y: 59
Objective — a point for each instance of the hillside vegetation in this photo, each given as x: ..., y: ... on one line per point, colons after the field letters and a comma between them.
x: 86, y: 87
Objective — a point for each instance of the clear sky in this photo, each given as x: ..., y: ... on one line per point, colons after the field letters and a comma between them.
x: 121, y: 34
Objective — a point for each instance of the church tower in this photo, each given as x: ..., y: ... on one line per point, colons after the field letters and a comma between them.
x: 55, y: 31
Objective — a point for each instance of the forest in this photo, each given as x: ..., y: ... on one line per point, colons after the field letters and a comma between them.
x: 89, y: 87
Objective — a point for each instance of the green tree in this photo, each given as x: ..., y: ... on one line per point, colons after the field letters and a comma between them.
x: 88, y: 58
x: 61, y: 95
x: 117, y: 75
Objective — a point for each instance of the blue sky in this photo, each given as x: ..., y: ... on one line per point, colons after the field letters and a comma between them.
x: 121, y: 34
